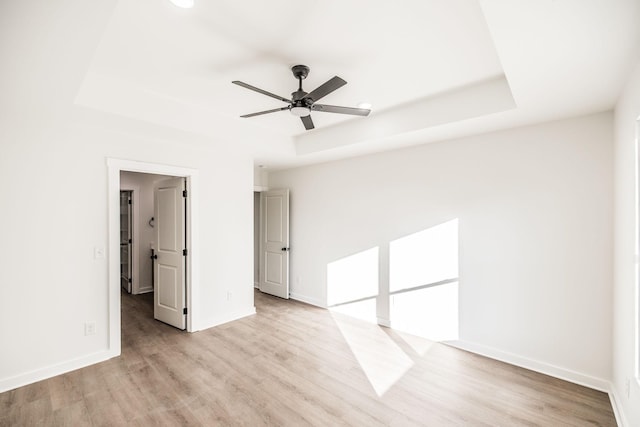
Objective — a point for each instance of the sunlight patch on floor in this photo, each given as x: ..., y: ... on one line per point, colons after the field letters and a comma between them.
x: 381, y: 359
x: 419, y: 345
x: 423, y: 301
x: 363, y: 310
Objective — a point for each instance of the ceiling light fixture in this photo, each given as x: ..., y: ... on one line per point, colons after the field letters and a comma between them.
x: 300, y: 111
x: 366, y: 105
x: 185, y: 4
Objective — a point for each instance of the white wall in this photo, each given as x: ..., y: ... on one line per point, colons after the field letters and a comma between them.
x: 625, y: 295
x: 534, y: 207
x: 54, y: 213
x: 260, y: 178
x: 56, y: 285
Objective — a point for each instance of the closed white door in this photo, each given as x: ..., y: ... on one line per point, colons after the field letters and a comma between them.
x: 274, y: 253
x: 169, y: 266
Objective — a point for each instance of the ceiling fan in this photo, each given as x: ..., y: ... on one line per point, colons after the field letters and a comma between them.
x: 302, y: 103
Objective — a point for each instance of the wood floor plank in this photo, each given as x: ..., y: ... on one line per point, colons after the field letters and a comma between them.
x: 296, y: 365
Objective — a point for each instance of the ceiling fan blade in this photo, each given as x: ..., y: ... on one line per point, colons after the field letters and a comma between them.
x: 265, y: 112
x: 307, y: 122
x: 264, y: 92
x: 326, y: 88
x: 341, y: 110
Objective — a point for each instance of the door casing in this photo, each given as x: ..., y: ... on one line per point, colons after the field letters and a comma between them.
x: 114, y: 167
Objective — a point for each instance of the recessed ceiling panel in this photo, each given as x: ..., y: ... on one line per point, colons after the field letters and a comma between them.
x: 388, y: 54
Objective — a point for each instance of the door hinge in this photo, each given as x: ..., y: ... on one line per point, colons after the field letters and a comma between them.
x: 184, y: 252
x: 184, y: 193
x: 130, y: 241
x: 129, y: 279
x: 129, y: 201
x: 184, y: 310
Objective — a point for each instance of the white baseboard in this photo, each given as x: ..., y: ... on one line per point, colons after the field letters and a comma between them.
x: 256, y: 285
x: 307, y: 300
x: 145, y: 290
x: 216, y: 321
x: 621, y: 420
x: 31, y: 377
x: 534, y: 365
x: 26, y: 378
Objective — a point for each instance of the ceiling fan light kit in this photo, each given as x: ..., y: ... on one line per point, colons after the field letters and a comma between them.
x: 300, y: 111
x: 184, y: 4
x: 302, y: 103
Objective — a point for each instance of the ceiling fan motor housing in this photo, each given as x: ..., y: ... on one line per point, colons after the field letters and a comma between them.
x: 298, y: 96
x: 300, y: 71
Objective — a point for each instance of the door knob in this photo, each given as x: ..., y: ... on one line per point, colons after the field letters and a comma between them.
x: 284, y: 249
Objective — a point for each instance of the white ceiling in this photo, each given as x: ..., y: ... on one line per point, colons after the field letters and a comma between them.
x: 431, y: 69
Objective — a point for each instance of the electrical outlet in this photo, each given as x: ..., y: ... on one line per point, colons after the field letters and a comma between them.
x: 627, y: 388
x: 90, y: 328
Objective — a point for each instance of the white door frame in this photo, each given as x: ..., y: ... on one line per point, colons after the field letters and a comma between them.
x: 115, y: 166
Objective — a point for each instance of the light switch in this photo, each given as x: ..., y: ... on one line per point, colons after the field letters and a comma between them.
x: 98, y: 252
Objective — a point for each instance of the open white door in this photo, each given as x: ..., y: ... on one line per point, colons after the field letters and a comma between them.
x: 274, y: 243
x: 170, y: 253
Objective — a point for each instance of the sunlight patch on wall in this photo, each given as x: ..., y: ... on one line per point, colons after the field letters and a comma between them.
x: 425, y: 257
x: 352, y: 284
x: 429, y: 312
x: 423, y: 282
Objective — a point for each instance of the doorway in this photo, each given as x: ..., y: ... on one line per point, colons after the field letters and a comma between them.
x: 159, y: 243
x: 141, y: 188
x: 126, y: 240
x: 271, y: 242
x: 115, y: 167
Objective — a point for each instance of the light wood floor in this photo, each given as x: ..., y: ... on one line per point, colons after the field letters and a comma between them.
x: 296, y: 365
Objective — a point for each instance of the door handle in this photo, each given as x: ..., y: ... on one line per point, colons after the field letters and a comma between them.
x: 154, y: 256
x: 285, y: 249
